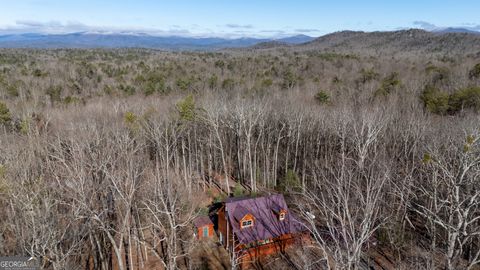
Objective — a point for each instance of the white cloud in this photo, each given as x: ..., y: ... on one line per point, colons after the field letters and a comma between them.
x: 56, y: 27
x: 425, y: 25
x: 236, y: 26
x: 307, y: 30
x: 51, y: 27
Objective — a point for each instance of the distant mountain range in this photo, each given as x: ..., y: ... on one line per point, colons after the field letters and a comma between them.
x: 94, y: 40
x: 441, y: 40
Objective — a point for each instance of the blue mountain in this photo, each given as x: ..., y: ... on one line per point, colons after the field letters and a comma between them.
x: 140, y: 40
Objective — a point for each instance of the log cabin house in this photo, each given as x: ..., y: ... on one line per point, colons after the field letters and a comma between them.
x: 253, y: 227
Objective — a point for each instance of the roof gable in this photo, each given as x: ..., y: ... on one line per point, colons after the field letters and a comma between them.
x: 247, y: 217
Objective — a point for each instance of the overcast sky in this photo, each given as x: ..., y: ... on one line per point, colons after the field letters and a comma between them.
x: 233, y: 18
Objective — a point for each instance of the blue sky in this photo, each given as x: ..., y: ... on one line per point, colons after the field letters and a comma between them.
x: 233, y: 18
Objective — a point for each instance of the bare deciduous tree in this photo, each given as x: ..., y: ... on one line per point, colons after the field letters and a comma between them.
x: 450, y: 198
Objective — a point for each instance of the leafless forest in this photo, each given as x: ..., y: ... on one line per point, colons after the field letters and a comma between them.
x: 106, y: 156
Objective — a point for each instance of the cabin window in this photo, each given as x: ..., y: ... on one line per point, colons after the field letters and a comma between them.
x: 205, y: 231
x: 281, y: 216
x: 221, y: 238
x: 247, y: 223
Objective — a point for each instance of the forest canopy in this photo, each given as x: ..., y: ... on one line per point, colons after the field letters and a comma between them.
x: 108, y: 155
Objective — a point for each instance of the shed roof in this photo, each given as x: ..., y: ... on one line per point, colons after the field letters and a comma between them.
x: 202, y: 221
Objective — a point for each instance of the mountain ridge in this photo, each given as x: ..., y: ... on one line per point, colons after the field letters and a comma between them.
x: 445, y: 40
x: 128, y: 40
x: 411, y: 40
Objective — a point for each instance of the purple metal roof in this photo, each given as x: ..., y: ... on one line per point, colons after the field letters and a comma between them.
x: 202, y: 221
x: 266, y: 224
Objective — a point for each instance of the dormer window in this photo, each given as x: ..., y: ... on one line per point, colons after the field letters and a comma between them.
x: 247, y: 223
x: 279, y: 213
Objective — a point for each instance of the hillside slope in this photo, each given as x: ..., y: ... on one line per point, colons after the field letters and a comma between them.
x: 413, y: 40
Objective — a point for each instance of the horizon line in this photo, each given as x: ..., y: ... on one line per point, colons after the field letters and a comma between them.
x: 211, y: 35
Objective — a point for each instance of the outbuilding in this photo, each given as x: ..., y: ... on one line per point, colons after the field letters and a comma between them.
x: 203, y: 227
